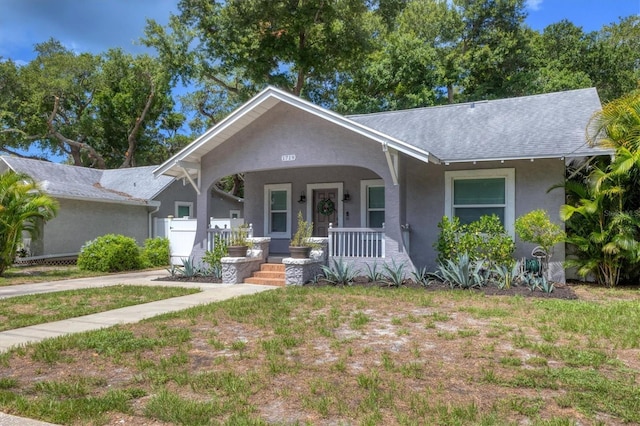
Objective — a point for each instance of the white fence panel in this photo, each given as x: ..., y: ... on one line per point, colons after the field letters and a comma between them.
x: 181, y: 234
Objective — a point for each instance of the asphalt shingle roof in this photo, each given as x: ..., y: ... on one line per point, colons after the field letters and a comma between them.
x: 539, y: 126
x: 131, y: 185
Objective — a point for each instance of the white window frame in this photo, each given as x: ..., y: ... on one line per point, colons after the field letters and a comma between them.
x: 267, y: 209
x: 179, y: 204
x: 509, y: 175
x: 364, y: 200
x: 236, y: 212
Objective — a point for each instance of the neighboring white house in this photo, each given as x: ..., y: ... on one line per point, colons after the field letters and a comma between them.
x: 96, y: 202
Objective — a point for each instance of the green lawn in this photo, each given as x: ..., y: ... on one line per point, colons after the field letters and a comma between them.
x: 37, y: 274
x: 23, y: 311
x: 345, y: 356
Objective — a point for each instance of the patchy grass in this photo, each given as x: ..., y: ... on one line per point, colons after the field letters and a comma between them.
x: 39, y: 274
x: 343, y: 356
x: 23, y: 311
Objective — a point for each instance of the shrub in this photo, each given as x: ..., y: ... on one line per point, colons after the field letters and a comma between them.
x: 483, y: 239
x: 110, y: 253
x: 213, y: 257
x: 536, y: 227
x: 155, y: 252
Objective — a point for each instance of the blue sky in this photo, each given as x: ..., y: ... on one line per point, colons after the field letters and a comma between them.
x: 96, y: 25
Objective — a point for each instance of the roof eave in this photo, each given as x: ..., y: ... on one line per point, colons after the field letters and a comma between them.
x: 143, y: 203
x: 531, y: 157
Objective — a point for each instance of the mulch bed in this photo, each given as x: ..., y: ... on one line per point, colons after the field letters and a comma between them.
x: 561, y: 291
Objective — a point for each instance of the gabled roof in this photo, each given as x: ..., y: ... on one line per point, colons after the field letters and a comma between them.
x: 186, y: 162
x: 550, y: 125
x: 540, y: 126
x: 135, y: 185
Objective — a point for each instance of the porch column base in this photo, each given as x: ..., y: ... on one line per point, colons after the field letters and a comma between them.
x: 300, y: 271
x: 236, y: 269
x: 259, y: 247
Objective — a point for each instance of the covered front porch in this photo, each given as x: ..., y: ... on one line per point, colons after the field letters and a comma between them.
x: 297, y: 157
x: 347, y: 206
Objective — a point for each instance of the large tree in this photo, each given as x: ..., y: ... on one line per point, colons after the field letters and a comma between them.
x: 102, y: 111
x: 614, y: 64
x: 23, y: 207
x: 411, y: 64
x: 560, y: 57
x: 494, y: 49
x: 444, y: 51
x: 229, y: 50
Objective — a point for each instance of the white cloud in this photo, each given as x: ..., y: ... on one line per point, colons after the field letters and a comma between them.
x: 534, y: 4
x: 87, y: 26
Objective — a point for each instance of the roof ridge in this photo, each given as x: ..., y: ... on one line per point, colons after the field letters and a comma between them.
x: 469, y: 103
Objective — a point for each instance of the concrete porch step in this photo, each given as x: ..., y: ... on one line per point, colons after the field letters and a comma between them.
x: 265, y: 281
x: 269, y: 274
x: 272, y: 267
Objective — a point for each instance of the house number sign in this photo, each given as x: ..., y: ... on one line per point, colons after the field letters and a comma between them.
x: 289, y: 157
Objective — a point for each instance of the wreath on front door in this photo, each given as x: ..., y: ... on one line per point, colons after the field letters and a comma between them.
x: 326, y: 207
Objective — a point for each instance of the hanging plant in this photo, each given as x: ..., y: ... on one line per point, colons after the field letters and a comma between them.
x: 326, y: 207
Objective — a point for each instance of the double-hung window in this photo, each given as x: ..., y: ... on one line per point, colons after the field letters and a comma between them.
x: 277, y: 208
x: 471, y: 194
x: 373, y: 203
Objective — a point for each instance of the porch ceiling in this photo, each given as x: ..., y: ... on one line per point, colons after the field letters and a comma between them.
x: 186, y: 163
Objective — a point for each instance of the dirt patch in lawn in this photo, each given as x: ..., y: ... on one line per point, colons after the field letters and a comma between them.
x: 352, y: 355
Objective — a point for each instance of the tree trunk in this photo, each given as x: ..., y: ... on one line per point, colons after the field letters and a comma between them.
x: 132, y: 139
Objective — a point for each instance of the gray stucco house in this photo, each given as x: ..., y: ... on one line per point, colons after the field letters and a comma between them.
x: 393, y: 175
x: 96, y: 202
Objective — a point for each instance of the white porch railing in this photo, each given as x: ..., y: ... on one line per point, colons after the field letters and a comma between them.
x: 225, y: 235
x: 356, y: 242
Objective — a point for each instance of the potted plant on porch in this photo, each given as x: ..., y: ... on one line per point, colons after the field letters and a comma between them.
x: 238, y: 243
x: 300, y: 246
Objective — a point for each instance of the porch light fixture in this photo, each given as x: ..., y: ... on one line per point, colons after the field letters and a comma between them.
x: 346, y: 196
x: 303, y: 198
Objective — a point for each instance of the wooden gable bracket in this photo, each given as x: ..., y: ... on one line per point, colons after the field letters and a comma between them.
x: 392, y: 161
x: 186, y: 167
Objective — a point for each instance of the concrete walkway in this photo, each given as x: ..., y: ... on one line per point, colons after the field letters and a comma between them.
x: 21, y: 336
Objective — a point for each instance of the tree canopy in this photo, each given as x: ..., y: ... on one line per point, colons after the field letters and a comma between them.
x: 115, y: 109
x: 109, y: 110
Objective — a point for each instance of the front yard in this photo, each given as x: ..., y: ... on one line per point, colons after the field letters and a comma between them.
x: 352, y: 355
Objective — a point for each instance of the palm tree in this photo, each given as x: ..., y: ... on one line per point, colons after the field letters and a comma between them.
x: 617, y: 125
x: 22, y: 207
x: 603, y: 210
x: 604, y: 235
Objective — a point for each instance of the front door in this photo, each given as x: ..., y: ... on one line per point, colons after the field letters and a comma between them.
x: 325, y: 210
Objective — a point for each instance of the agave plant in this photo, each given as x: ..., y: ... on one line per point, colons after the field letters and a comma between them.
x: 421, y: 276
x: 340, y: 273
x: 373, y: 273
x: 189, y: 268
x: 463, y: 273
x: 393, y: 273
x: 508, y: 275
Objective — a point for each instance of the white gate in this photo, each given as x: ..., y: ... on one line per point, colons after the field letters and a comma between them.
x: 181, y: 234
